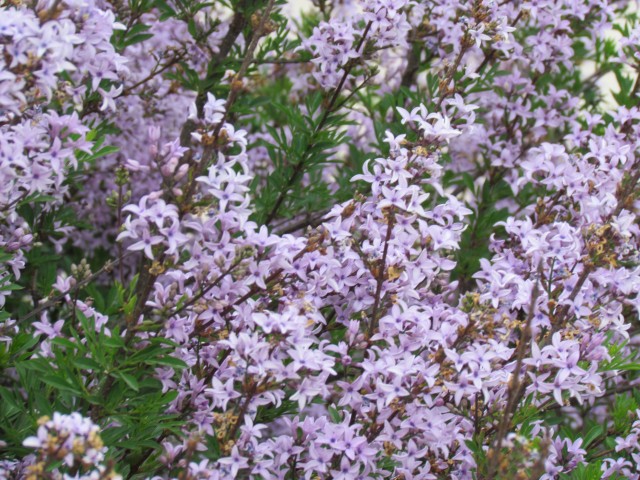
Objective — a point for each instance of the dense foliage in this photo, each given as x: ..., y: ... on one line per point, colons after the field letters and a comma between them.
x: 372, y: 239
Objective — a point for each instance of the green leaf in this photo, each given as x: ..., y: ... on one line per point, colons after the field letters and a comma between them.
x: 87, y: 364
x: 334, y: 414
x: 113, y: 342
x: 213, y: 452
x: 591, y: 471
x: 61, y: 384
x: 108, y: 150
x: 137, y: 444
x: 192, y: 28
x: 133, y: 39
x: 168, y: 361
x: 10, y: 402
x: 67, y: 344
x: 128, y: 307
x: 130, y: 380
x: 593, y: 433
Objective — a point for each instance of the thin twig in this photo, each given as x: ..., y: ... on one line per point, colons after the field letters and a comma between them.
x: 380, y: 277
x: 515, y: 384
x: 233, y: 95
x: 81, y: 284
x: 154, y: 72
x: 299, y: 167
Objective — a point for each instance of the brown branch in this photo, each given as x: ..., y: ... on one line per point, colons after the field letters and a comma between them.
x: 155, y: 72
x: 147, y: 278
x: 515, y: 386
x: 380, y: 277
x: 413, y: 65
x: 255, y: 289
x: 208, y: 288
x: 490, y: 55
x: 83, y: 283
x: 237, y: 25
x: 279, y: 61
x: 299, y: 167
x: 233, y: 95
x: 308, y: 221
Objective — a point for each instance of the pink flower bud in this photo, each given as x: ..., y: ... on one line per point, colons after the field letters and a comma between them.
x: 182, y: 171
x: 154, y: 133
x: 168, y: 168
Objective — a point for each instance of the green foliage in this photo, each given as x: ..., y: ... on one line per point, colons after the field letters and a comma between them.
x: 97, y: 374
x: 304, y: 147
x: 619, y: 360
x: 475, y: 239
x: 592, y: 471
x: 135, y: 34
x: 624, y: 412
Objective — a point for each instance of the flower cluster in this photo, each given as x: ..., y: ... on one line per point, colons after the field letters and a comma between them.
x: 374, y: 239
x: 49, y: 55
x: 69, y: 440
x: 622, y: 466
x: 338, y: 43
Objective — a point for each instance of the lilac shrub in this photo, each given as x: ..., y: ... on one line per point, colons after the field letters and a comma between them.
x: 374, y: 239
